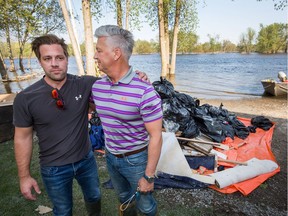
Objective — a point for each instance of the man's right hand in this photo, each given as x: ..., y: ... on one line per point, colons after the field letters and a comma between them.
x: 27, y: 184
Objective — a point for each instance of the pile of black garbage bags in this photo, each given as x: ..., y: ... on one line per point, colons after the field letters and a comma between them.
x: 181, y: 112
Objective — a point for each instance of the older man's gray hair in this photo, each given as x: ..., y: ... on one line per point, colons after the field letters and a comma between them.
x: 117, y: 37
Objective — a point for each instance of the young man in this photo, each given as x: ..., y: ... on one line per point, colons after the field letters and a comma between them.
x: 131, y: 116
x: 56, y: 107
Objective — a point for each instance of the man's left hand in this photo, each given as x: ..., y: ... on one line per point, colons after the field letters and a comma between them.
x: 143, y: 76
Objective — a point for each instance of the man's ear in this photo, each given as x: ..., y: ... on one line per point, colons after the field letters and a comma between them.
x: 117, y: 53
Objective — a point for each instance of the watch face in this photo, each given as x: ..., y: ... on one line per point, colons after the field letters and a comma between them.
x: 149, y: 179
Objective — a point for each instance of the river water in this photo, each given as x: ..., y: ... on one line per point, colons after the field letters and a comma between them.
x: 209, y: 76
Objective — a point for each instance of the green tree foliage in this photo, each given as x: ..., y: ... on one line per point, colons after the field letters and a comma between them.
x: 134, y: 8
x: 206, y: 47
x: 7, y: 8
x: 279, y: 4
x: 171, y: 16
x: 144, y: 47
x: 247, y: 41
x: 228, y: 46
x: 26, y: 19
x: 214, y: 43
x: 186, y: 42
x: 272, y: 38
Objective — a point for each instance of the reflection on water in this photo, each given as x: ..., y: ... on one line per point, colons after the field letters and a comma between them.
x: 203, y: 76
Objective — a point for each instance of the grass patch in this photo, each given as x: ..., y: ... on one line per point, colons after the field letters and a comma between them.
x: 13, y: 203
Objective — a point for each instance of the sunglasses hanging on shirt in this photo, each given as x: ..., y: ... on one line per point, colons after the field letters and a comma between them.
x: 58, y: 98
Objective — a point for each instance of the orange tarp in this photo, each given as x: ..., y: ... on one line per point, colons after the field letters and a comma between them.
x: 258, y: 145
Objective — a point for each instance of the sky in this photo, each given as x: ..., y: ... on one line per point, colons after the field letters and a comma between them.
x: 226, y: 18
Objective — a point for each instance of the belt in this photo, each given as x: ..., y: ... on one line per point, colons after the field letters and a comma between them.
x: 130, y: 153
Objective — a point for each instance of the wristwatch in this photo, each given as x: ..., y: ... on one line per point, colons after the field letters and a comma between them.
x: 150, y: 179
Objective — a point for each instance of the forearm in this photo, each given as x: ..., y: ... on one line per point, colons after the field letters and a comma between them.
x: 154, y: 151
x: 23, y: 150
x: 155, y: 144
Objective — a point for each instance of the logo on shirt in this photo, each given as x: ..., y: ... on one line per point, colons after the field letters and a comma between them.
x: 123, y: 98
x: 79, y: 97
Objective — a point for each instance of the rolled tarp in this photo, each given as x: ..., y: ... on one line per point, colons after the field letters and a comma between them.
x: 241, y: 173
x: 173, y: 161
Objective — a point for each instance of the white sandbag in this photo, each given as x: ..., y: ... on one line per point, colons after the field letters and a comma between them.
x: 173, y: 161
x: 240, y: 173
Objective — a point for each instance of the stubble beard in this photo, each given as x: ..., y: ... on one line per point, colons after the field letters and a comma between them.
x: 57, y: 78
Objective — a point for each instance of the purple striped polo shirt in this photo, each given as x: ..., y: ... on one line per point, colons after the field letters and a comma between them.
x: 123, y: 108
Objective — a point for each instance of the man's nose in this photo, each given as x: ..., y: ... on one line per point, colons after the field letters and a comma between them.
x: 96, y: 56
x: 54, y: 62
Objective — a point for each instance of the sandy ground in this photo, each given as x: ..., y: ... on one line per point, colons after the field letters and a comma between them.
x: 266, y: 106
x: 268, y: 199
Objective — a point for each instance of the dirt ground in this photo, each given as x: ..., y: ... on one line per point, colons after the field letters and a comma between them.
x: 270, y: 198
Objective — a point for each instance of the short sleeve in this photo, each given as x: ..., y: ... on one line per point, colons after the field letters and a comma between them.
x: 150, y: 106
x: 21, y: 115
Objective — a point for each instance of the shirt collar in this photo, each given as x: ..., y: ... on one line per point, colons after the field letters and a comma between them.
x: 127, y: 78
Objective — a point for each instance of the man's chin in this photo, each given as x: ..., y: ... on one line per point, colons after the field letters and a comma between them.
x: 57, y: 78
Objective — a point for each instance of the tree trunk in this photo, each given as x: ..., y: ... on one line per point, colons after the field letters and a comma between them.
x: 74, y: 26
x: 127, y: 14
x: 175, y: 37
x: 119, y: 13
x: 21, y: 66
x: 21, y: 47
x: 72, y: 37
x: 29, y: 61
x: 166, y: 33
x: 162, y: 38
x: 90, y: 62
x: 11, y: 58
x: 3, y: 71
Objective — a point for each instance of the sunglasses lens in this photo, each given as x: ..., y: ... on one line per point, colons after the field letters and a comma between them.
x: 60, y: 103
x: 59, y: 100
x: 54, y: 94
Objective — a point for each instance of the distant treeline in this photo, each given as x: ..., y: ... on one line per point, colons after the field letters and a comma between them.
x: 269, y: 40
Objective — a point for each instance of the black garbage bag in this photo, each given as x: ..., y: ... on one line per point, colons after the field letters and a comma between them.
x: 240, y: 129
x: 261, y: 122
x: 227, y: 129
x: 215, y: 112
x: 208, y: 125
x: 164, y: 88
x: 190, y: 129
x: 174, y: 111
x: 170, y: 125
x: 187, y: 101
x: 169, y: 108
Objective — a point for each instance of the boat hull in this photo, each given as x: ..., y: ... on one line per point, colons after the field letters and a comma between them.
x: 275, y: 88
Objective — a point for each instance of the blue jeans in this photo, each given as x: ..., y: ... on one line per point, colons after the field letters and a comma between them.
x: 58, y: 181
x: 125, y: 173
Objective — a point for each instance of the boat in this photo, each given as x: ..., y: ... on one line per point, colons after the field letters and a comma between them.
x: 276, y: 88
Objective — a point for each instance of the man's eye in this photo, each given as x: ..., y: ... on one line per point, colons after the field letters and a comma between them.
x: 60, y: 58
